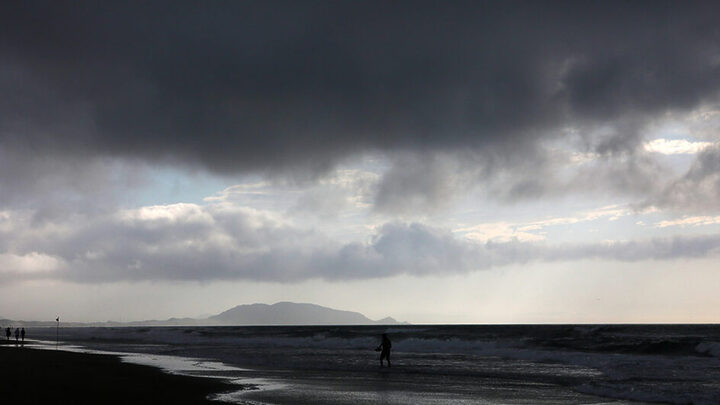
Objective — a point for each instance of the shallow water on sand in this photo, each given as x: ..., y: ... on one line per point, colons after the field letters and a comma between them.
x: 523, y: 364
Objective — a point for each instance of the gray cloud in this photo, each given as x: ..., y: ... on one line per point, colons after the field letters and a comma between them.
x: 332, y: 195
x: 418, y: 183
x: 422, y: 183
x: 53, y: 186
x: 417, y: 249
x: 277, y: 86
x: 189, y: 242
x: 697, y: 190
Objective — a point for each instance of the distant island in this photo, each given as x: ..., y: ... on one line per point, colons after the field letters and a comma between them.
x: 281, y: 313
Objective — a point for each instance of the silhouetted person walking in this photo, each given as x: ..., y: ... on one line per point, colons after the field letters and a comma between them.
x: 17, y: 335
x: 22, y: 334
x: 385, y: 346
x: 7, y: 333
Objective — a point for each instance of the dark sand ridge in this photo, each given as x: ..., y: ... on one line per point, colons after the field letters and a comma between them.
x: 46, y: 376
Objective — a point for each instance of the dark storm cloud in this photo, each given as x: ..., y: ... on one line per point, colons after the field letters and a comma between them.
x: 272, y: 86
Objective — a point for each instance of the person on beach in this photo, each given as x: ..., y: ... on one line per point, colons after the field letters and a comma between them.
x: 384, y: 349
x: 17, y: 335
x: 8, y: 333
x: 22, y: 334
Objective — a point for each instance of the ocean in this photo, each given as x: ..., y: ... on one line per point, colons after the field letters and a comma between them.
x: 431, y: 364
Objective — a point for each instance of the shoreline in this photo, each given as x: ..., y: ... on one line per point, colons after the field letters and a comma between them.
x: 40, y: 376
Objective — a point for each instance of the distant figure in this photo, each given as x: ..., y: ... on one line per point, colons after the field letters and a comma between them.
x: 8, y: 333
x: 22, y: 334
x: 17, y: 334
x: 384, y: 349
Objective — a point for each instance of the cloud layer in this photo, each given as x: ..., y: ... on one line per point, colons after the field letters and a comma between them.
x: 222, y: 242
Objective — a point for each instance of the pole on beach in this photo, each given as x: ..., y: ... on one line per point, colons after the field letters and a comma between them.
x: 57, y: 331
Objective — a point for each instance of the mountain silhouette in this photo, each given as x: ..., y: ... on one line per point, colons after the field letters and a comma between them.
x: 290, y: 313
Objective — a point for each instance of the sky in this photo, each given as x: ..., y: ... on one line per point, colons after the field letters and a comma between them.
x: 437, y: 162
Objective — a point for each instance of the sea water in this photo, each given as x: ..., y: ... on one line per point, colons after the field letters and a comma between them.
x: 431, y: 364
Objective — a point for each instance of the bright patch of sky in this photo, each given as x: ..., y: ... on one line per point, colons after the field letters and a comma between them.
x: 168, y: 185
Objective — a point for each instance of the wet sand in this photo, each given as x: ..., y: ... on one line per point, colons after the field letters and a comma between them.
x: 47, y: 376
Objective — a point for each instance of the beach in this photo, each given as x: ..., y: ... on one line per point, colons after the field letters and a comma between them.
x: 431, y: 364
x: 337, y: 365
x: 49, y: 376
